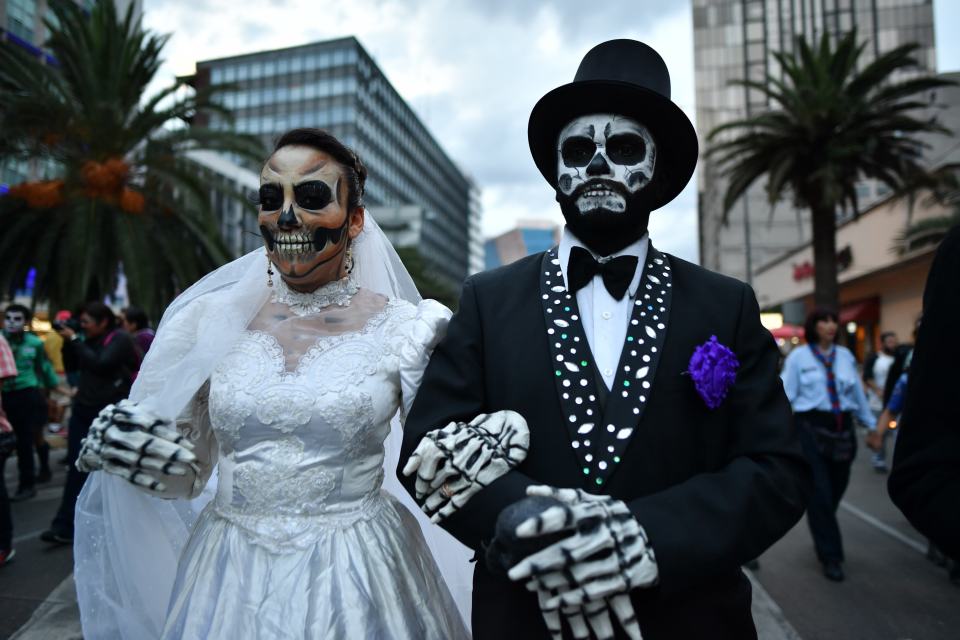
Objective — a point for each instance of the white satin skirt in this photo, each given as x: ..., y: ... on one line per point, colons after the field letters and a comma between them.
x: 372, y: 579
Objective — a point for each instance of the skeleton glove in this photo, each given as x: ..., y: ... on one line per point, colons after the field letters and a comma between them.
x: 136, y: 445
x: 455, y: 462
x: 590, y: 571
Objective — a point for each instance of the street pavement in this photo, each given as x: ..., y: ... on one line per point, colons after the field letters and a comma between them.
x: 38, y: 568
x: 891, y: 593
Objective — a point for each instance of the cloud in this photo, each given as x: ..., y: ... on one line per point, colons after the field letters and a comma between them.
x: 472, y: 71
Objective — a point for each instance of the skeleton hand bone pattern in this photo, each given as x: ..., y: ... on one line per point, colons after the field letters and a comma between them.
x: 454, y: 463
x: 136, y: 445
x: 590, y: 572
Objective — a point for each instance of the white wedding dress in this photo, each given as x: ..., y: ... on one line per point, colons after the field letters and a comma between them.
x: 300, y: 541
x: 293, y: 527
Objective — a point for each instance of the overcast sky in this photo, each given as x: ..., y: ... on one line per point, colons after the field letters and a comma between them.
x: 472, y: 71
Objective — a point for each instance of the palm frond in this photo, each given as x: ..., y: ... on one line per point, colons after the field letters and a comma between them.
x: 88, y: 112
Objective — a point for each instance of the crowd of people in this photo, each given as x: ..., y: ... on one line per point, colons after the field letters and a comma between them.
x: 86, y: 360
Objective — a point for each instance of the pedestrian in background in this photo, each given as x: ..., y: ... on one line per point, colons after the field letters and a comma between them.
x: 57, y: 401
x: 106, y: 359
x: 8, y: 370
x: 823, y: 386
x: 901, y: 360
x: 925, y: 480
x: 134, y: 321
x: 875, y: 371
x: 25, y: 399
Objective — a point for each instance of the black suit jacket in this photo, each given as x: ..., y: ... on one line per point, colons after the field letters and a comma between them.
x: 712, y: 488
x: 925, y: 479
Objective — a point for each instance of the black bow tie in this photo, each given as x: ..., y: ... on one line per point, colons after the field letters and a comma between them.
x: 617, y: 273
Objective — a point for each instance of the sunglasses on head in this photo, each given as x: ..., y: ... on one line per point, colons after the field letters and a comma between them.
x: 313, y: 195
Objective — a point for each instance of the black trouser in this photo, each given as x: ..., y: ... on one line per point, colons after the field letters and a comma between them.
x: 6, y: 520
x: 81, y: 416
x: 830, y: 479
x: 27, y: 411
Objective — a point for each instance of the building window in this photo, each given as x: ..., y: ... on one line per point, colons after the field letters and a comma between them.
x: 21, y: 16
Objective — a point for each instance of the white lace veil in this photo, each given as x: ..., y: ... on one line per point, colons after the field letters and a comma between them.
x: 127, y: 543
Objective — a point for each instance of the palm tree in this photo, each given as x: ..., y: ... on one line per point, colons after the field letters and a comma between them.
x: 122, y: 191
x: 831, y: 126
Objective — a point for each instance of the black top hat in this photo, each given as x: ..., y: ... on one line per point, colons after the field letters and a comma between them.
x: 628, y: 78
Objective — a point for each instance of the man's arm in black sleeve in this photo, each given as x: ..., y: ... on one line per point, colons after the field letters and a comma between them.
x: 925, y: 480
x: 108, y: 361
x: 714, y: 522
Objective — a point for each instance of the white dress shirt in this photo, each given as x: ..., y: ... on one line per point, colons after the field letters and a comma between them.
x: 805, y: 382
x: 604, y: 318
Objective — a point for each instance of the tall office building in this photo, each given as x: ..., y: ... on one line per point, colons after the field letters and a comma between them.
x: 337, y: 86
x: 735, y: 39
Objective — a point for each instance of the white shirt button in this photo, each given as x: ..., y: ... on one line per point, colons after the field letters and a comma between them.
x: 606, y: 315
x: 608, y: 372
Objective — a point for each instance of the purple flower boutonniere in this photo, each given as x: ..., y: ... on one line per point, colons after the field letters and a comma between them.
x: 713, y: 368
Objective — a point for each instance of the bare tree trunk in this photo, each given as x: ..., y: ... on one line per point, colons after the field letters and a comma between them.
x: 826, y: 291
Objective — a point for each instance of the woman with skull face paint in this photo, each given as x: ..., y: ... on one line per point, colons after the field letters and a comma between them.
x: 313, y: 345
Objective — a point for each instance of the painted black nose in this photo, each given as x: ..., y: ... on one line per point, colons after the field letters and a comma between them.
x: 598, y: 166
x: 288, y: 220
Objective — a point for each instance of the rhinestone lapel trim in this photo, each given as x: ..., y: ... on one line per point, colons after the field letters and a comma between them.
x: 599, y: 438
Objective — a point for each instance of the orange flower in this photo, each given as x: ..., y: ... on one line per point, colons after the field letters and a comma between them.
x: 19, y: 190
x: 131, y: 201
x: 104, y: 179
x: 118, y: 168
x: 39, y: 195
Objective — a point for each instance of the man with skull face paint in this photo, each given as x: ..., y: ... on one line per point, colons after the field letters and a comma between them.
x: 24, y: 398
x: 636, y: 500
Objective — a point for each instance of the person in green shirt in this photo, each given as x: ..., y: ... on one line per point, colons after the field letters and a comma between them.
x: 24, y: 398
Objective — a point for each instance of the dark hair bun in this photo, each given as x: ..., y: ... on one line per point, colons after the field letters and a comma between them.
x: 325, y: 141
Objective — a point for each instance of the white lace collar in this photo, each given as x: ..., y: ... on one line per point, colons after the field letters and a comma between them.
x: 339, y: 292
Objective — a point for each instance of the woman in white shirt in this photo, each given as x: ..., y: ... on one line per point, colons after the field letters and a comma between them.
x: 823, y: 385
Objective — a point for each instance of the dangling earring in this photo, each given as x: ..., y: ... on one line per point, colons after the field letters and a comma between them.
x: 269, y: 272
x: 348, y: 260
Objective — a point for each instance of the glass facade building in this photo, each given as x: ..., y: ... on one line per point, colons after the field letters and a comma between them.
x: 735, y: 39
x: 336, y: 85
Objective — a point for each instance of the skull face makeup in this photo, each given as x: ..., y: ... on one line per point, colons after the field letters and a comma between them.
x: 303, y: 216
x: 604, y: 163
x: 14, y: 322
